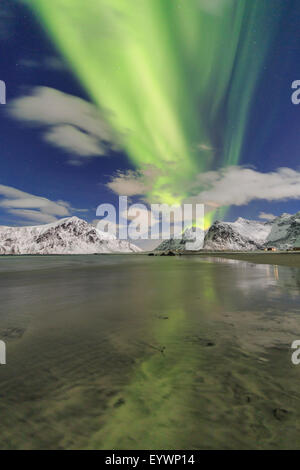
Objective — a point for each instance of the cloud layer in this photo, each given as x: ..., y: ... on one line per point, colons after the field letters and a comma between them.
x: 266, y: 216
x: 32, y: 208
x: 67, y: 122
x: 133, y: 183
x: 232, y: 186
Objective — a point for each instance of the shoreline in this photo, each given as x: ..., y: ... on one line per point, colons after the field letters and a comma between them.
x: 290, y: 258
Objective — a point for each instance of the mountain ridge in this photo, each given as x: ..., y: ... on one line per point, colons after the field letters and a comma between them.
x: 282, y: 232
x: 70, y: 235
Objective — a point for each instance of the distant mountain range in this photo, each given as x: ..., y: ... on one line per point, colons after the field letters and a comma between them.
x: 244, y: 235
x: 66, y: 236
x: 76, y: 236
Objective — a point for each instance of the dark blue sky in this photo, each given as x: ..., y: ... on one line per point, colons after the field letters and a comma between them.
x: 32, y: 165
x: 273, y: 138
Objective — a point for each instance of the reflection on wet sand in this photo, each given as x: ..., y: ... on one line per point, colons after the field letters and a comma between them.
x: 135, y: 352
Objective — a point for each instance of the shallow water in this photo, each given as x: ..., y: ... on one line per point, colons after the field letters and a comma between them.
x: 136, y: 352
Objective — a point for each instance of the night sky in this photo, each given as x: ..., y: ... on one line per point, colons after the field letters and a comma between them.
x: 194, y: 103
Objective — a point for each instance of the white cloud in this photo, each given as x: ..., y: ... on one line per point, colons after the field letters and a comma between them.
x: 68, y: 122
x: 33, y: 216
x: 265, y: 216
x: 32, y: 208
x: 238, y: 186
x: 14, y: 198
x: 234, y: 185
x: 133, y: 183
x: 67, y: 137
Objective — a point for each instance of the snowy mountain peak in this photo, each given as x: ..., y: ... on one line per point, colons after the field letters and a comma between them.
x: 285, y: 231
x: 243, y: 234
x: 70, y: 235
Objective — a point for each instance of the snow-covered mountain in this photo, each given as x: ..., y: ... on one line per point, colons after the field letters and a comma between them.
x: 285, y: 231
x: 66, y: 236
x: 241, y: 235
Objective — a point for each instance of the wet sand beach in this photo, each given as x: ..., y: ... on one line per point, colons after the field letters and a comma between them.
x: 136, y: 352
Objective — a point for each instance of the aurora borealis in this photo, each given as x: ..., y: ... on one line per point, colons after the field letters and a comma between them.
x: 172, y: 125
x: 162, y: 101
x: 174, y: 79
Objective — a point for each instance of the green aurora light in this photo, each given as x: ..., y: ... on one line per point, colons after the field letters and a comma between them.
x: 174, y: 78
